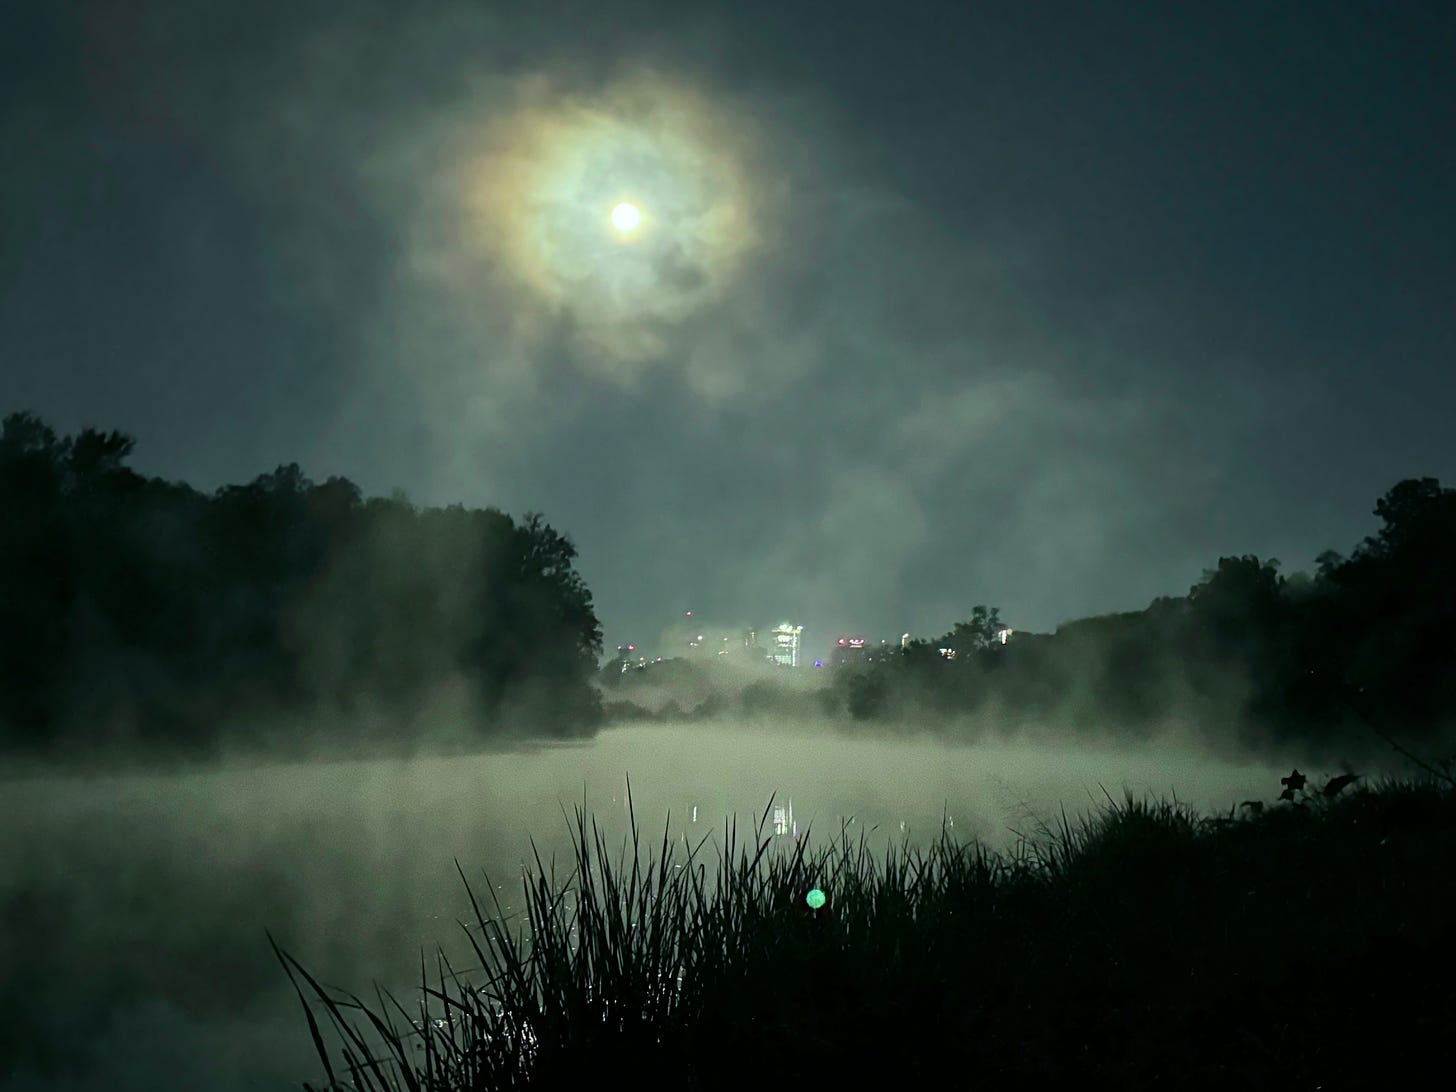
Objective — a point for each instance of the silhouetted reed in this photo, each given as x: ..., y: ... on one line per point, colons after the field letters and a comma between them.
x: 1141, y: 942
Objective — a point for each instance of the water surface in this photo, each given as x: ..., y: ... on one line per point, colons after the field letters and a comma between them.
x: 134, y: 907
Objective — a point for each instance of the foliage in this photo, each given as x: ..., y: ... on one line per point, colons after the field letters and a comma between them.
x: 1137, y: 943
x: 1307, y: 660
x: 135, y: 608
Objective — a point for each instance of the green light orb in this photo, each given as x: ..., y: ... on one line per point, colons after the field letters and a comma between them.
x: 815, y: 899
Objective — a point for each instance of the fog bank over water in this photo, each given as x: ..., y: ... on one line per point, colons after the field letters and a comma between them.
x: 135, y: 906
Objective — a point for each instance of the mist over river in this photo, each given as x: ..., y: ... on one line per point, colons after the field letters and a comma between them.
x: 134, y: 907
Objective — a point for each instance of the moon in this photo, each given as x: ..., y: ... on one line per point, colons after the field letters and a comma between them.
x: 625, y: 217
x: 627, y: 211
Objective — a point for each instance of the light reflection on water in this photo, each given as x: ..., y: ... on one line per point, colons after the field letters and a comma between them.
x: 156, y: 890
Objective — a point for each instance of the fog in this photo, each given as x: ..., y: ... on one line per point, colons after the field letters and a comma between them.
x: 135, y: 906
x: 930, y: 307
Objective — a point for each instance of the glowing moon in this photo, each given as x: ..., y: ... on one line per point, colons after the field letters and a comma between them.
x: 626, y: 216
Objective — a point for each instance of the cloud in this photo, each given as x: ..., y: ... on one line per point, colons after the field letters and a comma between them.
x: 515, y: 224
x: 375, y: 244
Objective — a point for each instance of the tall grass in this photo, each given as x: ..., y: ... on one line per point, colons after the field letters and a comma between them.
x: 1140, y: 942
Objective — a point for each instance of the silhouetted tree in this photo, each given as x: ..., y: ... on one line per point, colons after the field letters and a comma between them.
x: 1371, y: 636
x: 976, y: 634
x: 142, y: 609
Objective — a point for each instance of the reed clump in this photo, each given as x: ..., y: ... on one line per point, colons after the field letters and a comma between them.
x: 1304, y: 941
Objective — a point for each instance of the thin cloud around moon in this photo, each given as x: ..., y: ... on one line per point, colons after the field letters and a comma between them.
x: 538, y: 197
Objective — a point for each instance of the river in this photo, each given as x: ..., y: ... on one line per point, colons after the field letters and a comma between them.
x: 135, y: 907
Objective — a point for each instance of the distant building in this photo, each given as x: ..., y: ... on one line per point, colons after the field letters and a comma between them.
x: 849, y: 650
x: 752, y: 651
x: 882, y: 652
x: 629, y: 658
x: 786, y: 640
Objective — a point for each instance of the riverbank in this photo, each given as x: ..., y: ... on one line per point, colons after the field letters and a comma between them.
x: 1303, y: 941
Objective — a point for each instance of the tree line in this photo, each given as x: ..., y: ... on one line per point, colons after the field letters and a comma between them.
x: 135, y: 609
x: 1367, y: 640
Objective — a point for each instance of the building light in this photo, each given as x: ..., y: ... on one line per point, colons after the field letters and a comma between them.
x: 786, y: 640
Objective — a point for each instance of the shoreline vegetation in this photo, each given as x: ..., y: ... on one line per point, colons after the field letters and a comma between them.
x: 1299, y: 941
x: 147, y: 622
x: 1250, y: 659
x: 144, y: 616
x: 1304, y: 939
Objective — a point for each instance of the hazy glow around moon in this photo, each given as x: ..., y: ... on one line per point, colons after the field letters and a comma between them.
x: 538, y: 187
x: 626, y: 216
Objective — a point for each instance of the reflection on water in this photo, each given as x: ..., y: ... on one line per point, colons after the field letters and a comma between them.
x: 134, y: 908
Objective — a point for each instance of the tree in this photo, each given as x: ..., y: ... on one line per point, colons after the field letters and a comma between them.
x: 1413, y: 510
x: 93, y: 455
x: 1241, y: 592
x: 978, y: 633
x: 144, y: 601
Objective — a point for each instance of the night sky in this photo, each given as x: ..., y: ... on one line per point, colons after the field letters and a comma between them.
x: 1039, y: 306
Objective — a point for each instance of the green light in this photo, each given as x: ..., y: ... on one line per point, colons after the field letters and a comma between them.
x: 815, y: 899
